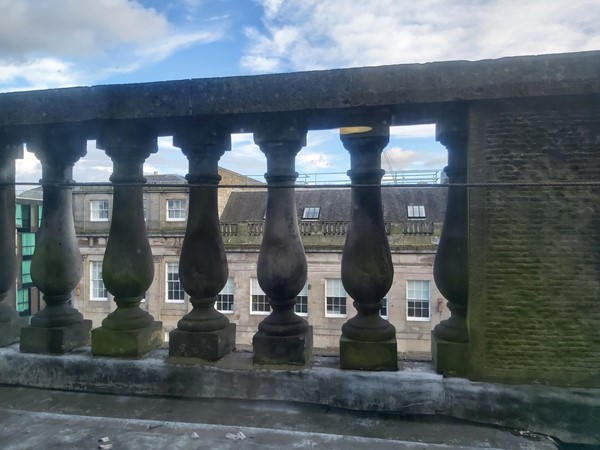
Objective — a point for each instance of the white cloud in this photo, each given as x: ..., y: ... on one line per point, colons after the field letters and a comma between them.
x: 310, y: 161
x: 73, y: 27
x: 318, y: 34
x: 39, y: 73
x: 28, y: 169
x: 59, y: 43
x: 245, y: 157
x: 398, y: 158
x: 413, y: 131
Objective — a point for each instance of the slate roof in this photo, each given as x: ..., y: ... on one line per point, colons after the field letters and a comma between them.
x: 32, y: 194
x: 250, y: 206
x: 165, y: 179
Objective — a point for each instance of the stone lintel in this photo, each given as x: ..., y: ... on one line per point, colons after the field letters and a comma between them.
x: 210, y: 346
x: 126, y: 343
x: 273, y: 351
x: 450, y: 358
x: 57, y: 340
x: 360, y: 355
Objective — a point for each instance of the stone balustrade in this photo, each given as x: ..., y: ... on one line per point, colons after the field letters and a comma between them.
x: 522, y: 293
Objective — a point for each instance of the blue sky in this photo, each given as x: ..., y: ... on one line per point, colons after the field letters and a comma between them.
x: 60, y: 43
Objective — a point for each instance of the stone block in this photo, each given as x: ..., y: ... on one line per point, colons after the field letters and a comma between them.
x: 57, y: 340
x: 126, y: 343
x: 9, y: 331
x: 211, y: 346
x: 281, y: 351
x: 450, y: 358
x: 360, y: 355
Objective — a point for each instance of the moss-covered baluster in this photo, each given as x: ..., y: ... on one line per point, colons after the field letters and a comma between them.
x: 368, y: 341
x: 283, y: 338
x: 128, y: 266
x: 9, y: 318
x: 450, y: 337
x: 56, y: 264
x: 204, y: 332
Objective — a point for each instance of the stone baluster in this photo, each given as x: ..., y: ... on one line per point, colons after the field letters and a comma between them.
x: 56, y: 264
x: 9, y: 318
x: 283, y: 338
x: 128, y: 266
x: 204, y: 332
x: 449, y: 344
x: 368, y: 341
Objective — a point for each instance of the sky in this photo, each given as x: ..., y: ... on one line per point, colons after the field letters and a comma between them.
x: 61, y: 43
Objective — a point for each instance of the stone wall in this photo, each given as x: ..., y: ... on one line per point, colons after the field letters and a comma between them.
x: 534, y: 250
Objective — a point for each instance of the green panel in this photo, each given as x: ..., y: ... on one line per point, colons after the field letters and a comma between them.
x: 27, y: 243
x: 18, y: 216
x: 23, y: 300
x: 26, y: 272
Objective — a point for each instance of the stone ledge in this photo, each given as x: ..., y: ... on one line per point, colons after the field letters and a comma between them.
x: 569, y: 414
x: 415, y: 87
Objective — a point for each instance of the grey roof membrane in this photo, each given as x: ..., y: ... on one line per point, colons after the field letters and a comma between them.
x: 248, y: 206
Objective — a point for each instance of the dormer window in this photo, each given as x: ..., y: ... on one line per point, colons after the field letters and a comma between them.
x: 416, y: 212
x: 311, y: 213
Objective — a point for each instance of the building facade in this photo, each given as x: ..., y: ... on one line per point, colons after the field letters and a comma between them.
x: 28, y: 217
x: 413, y: 217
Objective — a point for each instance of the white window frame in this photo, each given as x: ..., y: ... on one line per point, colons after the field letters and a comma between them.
x: 302, y: 293
x: 181, y: 209
x: 387, y: 307
x: 95, y: 212
x: 335, y: 286
x: 228, y: 289
x: 255, y: 289
x: 311, y: 213
x: 416, y: 298
x: 415, y: 211
x: 167, y: 281
x: 96, y: 277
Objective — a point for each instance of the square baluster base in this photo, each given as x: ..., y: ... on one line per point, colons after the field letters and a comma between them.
x: 9, y: 330
x: 360, y: 355
x: 450, y: 358
x: 209, y: 345
x: 280, y: 351
x: 57, y: 340
x: 126, y: 343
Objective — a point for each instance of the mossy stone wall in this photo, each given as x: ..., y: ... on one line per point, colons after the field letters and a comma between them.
x: 534, y: 249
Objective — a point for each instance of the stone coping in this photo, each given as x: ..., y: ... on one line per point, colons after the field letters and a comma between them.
x: 410, y: 93
x: 567, y: 413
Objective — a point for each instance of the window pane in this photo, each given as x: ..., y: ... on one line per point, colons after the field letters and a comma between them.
x: 174, y: 290
x: 98, y: 291
x: 383, y: 311
x: 99, y: 210
x: 27, y: 244
x: 23, y: 301
x: 26, y: 271
x: 226, y: 297
x: 311, y: 213
x: 176, y: 209
x: 259, y: 301
x: 301, y: 305
x: 23, y: 216
x: 417, y: 299
x: 335, y: 297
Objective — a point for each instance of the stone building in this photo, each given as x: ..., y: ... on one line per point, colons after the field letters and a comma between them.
x: 413, y: 218
x: 165, y: 213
